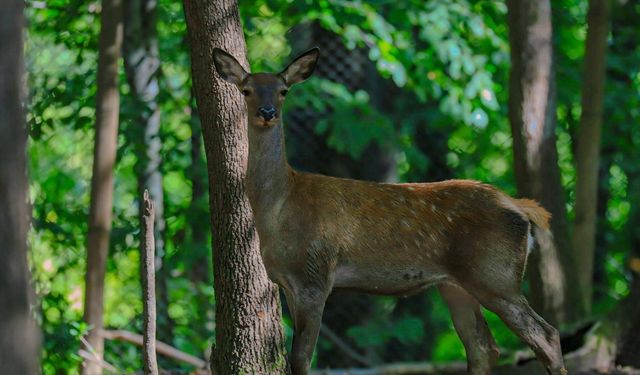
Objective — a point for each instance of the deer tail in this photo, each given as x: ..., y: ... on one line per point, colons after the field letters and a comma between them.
x: 534, y: 212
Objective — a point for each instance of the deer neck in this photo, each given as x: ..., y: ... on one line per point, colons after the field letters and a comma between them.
x: 269, y: 176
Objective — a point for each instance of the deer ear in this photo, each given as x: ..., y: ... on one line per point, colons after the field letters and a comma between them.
x: 228, y: 67
x: 301, y: 68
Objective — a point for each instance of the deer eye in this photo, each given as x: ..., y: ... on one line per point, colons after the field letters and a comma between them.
x: 246, y: 92
x: 284, y: 92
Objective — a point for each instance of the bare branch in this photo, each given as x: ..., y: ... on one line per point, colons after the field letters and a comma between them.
x: 345, y: 347
x: 91, y: 357
x: 161, y: 348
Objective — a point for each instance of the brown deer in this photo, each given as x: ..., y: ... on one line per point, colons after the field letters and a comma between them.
x: 319, y: 233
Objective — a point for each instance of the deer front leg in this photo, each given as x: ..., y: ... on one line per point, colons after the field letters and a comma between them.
x: 306, y: 307
x: 482, y: 351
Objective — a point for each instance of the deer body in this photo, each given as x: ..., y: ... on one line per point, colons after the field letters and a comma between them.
x: 319, y: 233
x: 384, y: 238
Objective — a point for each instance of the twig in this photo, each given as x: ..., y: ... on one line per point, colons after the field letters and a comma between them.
x: 147, y: 251
x: 162, y: 348
x: 101, y: 362
x: 334, y: 338
x: 91, y: 355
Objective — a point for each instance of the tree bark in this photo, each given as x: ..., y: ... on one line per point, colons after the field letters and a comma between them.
x: 554, y: 288
x: 148, y: 276
x: 142, y: 67
x: 588, y: 138
x: 107, y: 113
x: 249, y: 337
x: 19, y: 339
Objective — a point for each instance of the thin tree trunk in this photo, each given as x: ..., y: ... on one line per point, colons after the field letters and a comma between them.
x: 588, y: 138
x: 107, y: 113
x: 554, y: 289
x: 249, y: 337
x: 142, y: 66
x: 147, y: 248
x: 19, y: 339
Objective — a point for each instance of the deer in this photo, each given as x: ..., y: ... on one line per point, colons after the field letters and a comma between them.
x: 319, y: 233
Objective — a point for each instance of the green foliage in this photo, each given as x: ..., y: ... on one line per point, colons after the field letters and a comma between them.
x: 61, y: 60
x: 620, y: 136
x: 446, y: 70
x: 378, y: 331
x: 352, y: 123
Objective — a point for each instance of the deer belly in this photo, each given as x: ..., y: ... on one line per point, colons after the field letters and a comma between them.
x: 387, y: 280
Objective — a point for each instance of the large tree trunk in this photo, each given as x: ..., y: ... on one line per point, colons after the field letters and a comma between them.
x: 587, y: 154
x: 18, y: 333
x: 142, y: 66
x: 107, y: 112
x: 249, y: 337
x: 554, y: 287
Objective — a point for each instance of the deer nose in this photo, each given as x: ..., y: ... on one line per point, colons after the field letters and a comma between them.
x: 267, y: 112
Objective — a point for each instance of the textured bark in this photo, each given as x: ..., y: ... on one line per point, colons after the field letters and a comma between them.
x: 554, y: 287
x: 142, y: 67
x: 249, y: 337
x: 19, y: 338
x: 148, y: 276
x: 588, y: 138
x: 107, y: 113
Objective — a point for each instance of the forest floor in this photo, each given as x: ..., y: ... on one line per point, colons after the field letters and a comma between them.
x: 620, y: 371
x: 533, y: 368
x: 501, y: 370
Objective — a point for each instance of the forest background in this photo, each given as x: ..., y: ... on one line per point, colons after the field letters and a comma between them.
x: 432, y: 103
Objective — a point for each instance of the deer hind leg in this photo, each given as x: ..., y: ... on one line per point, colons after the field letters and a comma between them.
x: 472, y: 328
x: 541, y: 337
x: 495, y: 283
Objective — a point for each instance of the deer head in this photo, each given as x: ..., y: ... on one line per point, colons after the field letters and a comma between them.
x: 264, y: 93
